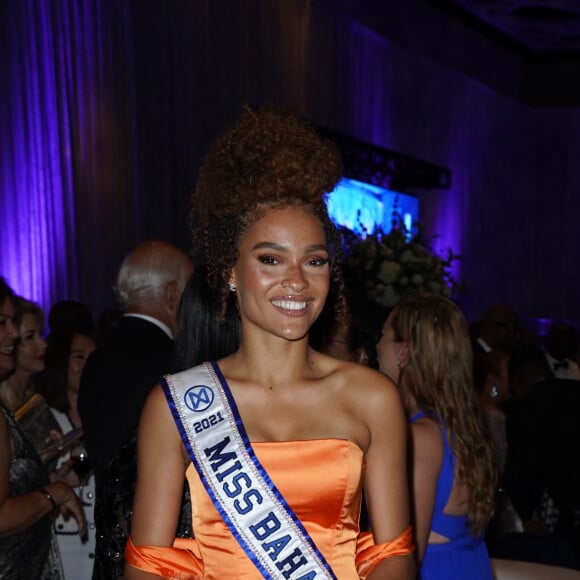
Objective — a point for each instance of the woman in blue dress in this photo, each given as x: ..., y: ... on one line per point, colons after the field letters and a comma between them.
x: 425, y: 349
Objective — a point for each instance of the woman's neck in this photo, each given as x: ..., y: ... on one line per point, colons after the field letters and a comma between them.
x: 19, y: 383
x: 407, y: 398
x: 272, y: 361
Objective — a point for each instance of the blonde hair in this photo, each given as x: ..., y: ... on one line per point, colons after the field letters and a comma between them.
x: 25, y: 306
x: 438, y: 375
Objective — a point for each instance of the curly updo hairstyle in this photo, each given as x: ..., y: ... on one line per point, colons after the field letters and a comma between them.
x: 267, y: 160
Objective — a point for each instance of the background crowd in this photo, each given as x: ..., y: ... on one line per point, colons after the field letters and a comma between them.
x: 527, y: 386
x: 493, y: 402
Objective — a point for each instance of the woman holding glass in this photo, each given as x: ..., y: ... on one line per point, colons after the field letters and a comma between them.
x: 66, y: 355
x: 28, y: 547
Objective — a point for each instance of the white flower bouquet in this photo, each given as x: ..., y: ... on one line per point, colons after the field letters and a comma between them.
x: 387, y: 266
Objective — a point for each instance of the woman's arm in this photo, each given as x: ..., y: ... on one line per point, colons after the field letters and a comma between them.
x: 160, y: 478
x: 386, y: 479
x: 426, y: 457
x: 18, y: 513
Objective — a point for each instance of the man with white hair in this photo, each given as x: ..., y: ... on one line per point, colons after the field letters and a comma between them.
x: 119, y: 375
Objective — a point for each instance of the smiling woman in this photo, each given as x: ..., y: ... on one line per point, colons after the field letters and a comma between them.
x: 8, y: 329
x: 277, y: 434
x: 288, y: 274
x: 27, y: 499
x: 29, y: 356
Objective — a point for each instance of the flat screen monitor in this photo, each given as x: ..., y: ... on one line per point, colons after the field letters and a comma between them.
x: 365, y: 208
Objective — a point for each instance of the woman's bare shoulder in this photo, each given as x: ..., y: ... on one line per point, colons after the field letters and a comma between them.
x: 427, y: 426
x: 156, y: 397
x: 362, y: 380
x: 156, y: 412
x: 363, y: 389
x: 426, y: 438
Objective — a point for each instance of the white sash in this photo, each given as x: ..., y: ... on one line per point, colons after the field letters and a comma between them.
x: 243, y: 493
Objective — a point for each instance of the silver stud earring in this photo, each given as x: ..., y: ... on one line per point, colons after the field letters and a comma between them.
x: 232, y: 286
x: 398, y: 363
x: 494, y: 392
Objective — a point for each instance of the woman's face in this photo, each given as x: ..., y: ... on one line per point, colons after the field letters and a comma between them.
x: 8, y: 337
x: 80, y: 349
x: 32, y: 347
x: 282, y: 273
x: 389, y: 351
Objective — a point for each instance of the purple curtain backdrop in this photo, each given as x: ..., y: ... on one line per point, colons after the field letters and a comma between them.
x: 108, y: 106
x: 62, y: 160
x: 38, y: 231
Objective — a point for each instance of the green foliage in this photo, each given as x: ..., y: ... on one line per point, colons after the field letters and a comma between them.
x: 387, y: 266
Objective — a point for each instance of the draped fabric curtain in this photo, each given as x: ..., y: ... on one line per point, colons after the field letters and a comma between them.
x: 38, y: 233
x: 61, y: 158
x: 107, y: 107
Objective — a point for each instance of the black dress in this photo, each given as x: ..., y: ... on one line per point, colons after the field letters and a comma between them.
x: 114, y: 508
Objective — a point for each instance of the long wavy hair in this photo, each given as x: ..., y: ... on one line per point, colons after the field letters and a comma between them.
x: 438, y: 375
x: 267, y: 160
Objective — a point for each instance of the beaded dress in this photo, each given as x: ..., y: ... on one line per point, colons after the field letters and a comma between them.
x: 32, y: 553
x: 114, y: 509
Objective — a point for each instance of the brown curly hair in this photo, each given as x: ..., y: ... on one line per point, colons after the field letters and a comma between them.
x: 438, y: 374
x: 268, y: 159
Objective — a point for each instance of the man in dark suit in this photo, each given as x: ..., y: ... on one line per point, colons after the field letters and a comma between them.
x: 561, y: 346
x: 119, y: 375
x: 542, y: 469
x: 498, y: 330
x: 544, y: 457
x: 555, y: 405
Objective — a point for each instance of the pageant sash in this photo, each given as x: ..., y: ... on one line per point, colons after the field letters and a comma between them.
x: 255, y: 511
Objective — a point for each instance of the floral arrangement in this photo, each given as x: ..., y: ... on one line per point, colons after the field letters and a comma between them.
x: 388, y: 265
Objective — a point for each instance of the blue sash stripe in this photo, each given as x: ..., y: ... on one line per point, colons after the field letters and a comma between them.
x: 201, y: 472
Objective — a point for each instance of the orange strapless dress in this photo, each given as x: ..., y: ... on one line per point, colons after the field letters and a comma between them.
x: 320, y: 479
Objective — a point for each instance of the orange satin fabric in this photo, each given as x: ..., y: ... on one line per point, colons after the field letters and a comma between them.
x: 368, y: 555
x: 182, y: 562
x: 322, y: 482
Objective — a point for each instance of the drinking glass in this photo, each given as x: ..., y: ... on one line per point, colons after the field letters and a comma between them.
x: 81, y: 466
